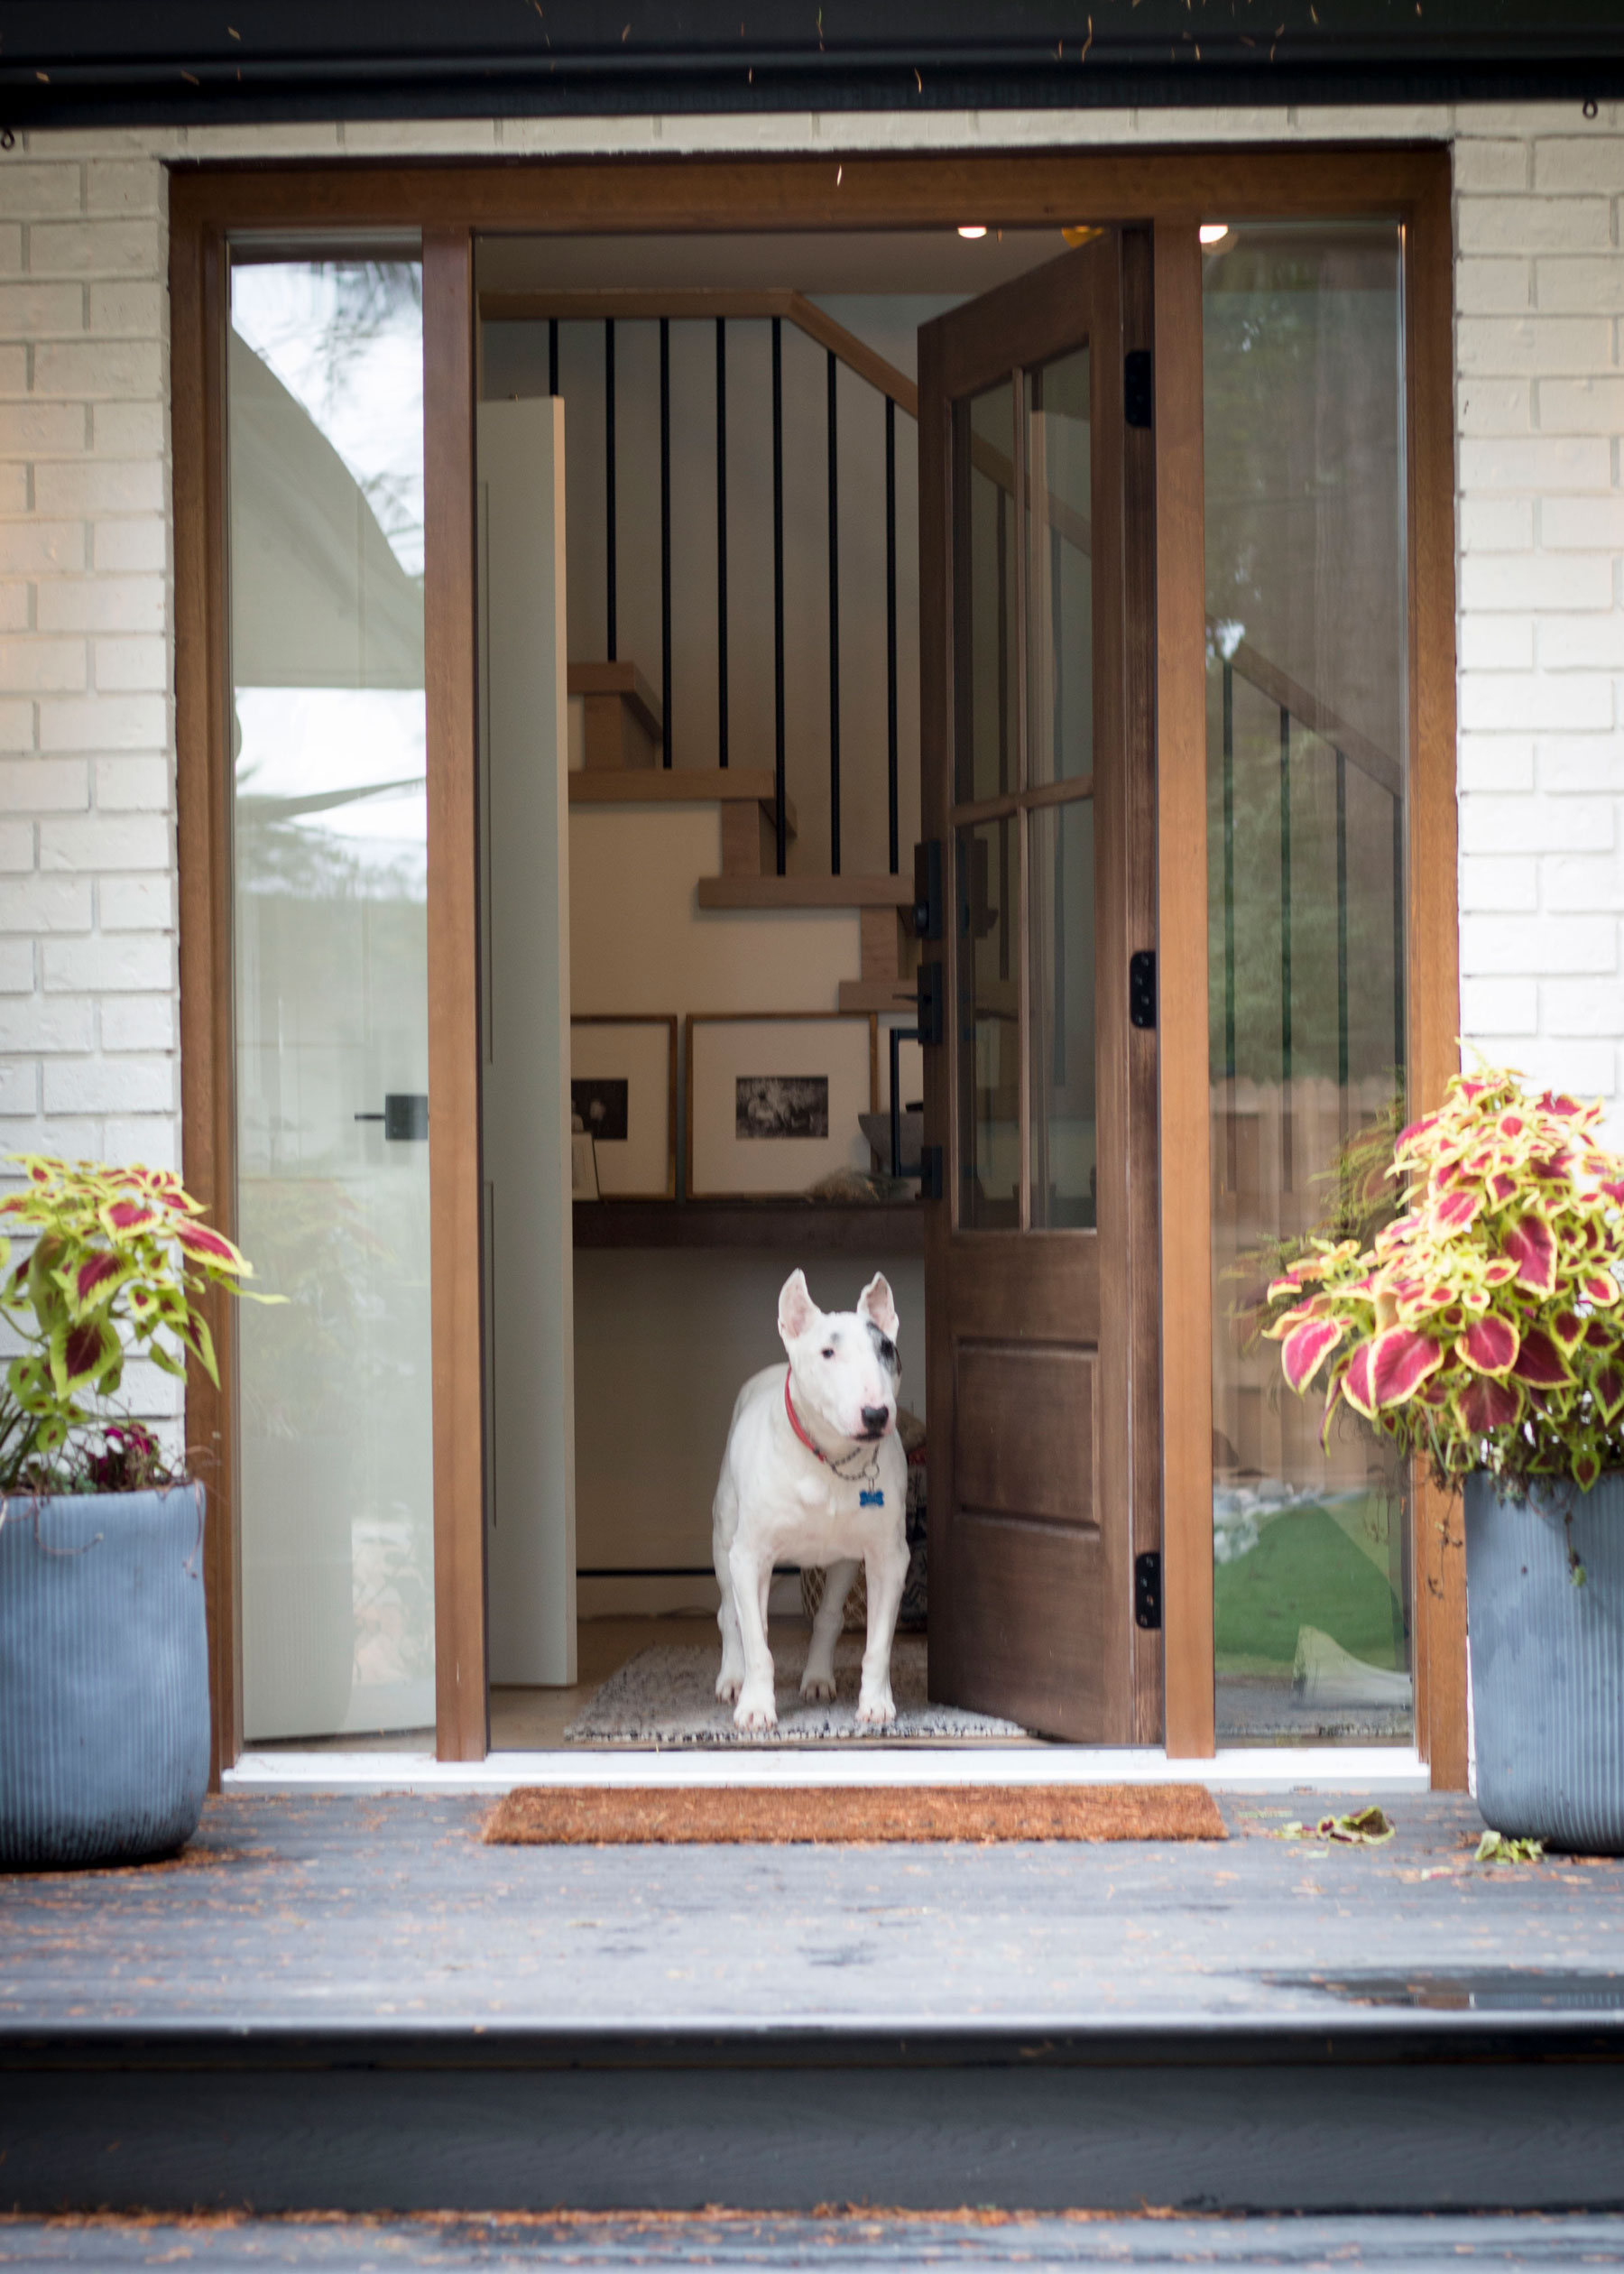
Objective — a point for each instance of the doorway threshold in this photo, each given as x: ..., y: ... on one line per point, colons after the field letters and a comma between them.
x: 1339, y: 1769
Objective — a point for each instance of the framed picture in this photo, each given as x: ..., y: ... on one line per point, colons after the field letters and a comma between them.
x: 623, y: 1095
x: 774, y: 1100
x: 583, y: 1167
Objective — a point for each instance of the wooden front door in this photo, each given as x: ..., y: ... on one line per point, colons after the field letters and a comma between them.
x: 1038, y: 756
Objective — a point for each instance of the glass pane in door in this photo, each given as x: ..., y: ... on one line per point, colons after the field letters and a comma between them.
x: 325, y: 429
x: 986, y: 666
x: 1061, y: 928
x: 1307, y: 764
x: 989, y: 1025
x: 1059, y: 572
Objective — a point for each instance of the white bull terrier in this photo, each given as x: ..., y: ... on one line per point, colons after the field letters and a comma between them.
x: 814, y: 1474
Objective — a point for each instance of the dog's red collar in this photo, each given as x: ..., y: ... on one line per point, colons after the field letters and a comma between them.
x: 795, y: 1424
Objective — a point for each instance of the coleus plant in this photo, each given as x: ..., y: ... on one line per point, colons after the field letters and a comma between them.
x: 114, y: 1268
x: 1483, y: 1327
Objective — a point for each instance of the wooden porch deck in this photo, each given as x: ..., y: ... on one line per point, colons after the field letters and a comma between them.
x: 350, y: 2002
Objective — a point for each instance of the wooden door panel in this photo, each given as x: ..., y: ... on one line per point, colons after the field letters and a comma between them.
x: 1010, y: 1287
x: 1049, y: 1646
x: 1024, y: 1433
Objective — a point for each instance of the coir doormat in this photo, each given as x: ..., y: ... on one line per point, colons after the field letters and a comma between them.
x: 536, y: 1815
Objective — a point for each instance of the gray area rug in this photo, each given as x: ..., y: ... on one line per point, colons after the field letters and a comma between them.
x: 667, y: 1697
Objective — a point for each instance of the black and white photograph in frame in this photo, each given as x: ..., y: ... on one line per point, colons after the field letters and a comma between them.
x: 623, y: 1097
x: 774, y: 1100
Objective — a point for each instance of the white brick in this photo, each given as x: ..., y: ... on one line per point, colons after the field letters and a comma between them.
x: 1494, y: 406
x: 101, y: 604
x: 43, y: 666
x: 1583, y: 1007
x: 105, y: 841
x: 1496, y: 761
x: 134, y: 963
x: 131, y: 664
x: 1579, y: 287
x: 109, y: 1085
x: 1537, y: 580
x: 138, y: 1023
x: 122, y: 186
x: 30, y: 549
x: 1494, y: 165
x: 95, y: 248
x: 41, y: 311
x: 1587, y: 882
x: 1496, y: 643
x: 128, y: 429
x: 14, y: 607
x: 1490, y: 882
x: 87, y: 370
x: 1494, y: 288
x: 1595, y: 164
x: 1541, y: 463
x: 1533, y: 225
x: 30, y: 191
x: 1500, y: 1006
x: 92, y: 486
x: 1588, y: 1069
x: 1494, y: 524
x: 44, y: 785
x: 16, y: 967
x: 1532, y: 344
x: 132, y: 785
x: 1582, y: 643
x: 19, y: 1097
x: 47, y: 1022
x: 46, y: 904
x: 42, y: 429
x: 136, y: 311
x: 1529, y: 119
x: 1593, y: 405
x: 1526, y: 825
x: 17, y: 847
x: 136, y: 903
x: 141, y: 542
x: 1580, y: 765
x: 104, y: 722
x: 1520, y: 946
x: 151, y: 1141
x: 16, y: 725
x: 71, y: 1139
x: 1582, y: 523
x: 1508, y: 700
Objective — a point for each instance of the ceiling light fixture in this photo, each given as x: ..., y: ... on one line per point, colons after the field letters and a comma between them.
x: 1214, y: 232
x: 973, y: 228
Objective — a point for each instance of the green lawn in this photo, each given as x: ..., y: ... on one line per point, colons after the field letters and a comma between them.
x: 1304, y: 1571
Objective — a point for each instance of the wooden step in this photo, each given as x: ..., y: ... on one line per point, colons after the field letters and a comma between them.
x: 892, y: 998
x: 805, y: 891
x: 681, y: 785
x: 625, y: 726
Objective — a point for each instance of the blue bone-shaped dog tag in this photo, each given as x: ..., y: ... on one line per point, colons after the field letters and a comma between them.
x: 870, y: 1500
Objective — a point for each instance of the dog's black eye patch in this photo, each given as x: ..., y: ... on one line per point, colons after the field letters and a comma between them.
x: 885, y: 1350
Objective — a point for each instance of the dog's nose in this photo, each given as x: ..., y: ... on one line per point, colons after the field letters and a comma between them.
x: 874, y: 1418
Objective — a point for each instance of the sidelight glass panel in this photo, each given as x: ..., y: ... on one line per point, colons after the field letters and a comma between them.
x: 1059, y: 572
x: 1061, y: 901
x: 325, y: 425
x: 986, y: 659
x: 1307, y: 740
x: 989, y: 1059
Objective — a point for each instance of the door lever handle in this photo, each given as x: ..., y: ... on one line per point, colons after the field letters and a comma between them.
x: 405, y: 1117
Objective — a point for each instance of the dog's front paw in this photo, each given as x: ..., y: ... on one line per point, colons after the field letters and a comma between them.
x: 818, y: 1686
x: 755, y: 1710
x: 876, y: 1711
x: 728, y: 1685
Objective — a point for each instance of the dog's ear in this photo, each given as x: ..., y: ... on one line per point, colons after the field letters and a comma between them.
x: 796, y: 1310
x: 875, y: 1302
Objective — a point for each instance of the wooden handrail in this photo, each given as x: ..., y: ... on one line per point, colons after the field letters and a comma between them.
x: 1280, y: 689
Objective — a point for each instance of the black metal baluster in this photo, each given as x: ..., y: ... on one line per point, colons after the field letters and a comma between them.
x: 890, y: 628
x: 1342, y: 938
x: 778, y: 574
x: 1285, y: 1146
x: 833, y: 628
x: 1229, y: 915
x: 665, y: 534
x: 552, y: 356
x: 721, y: 541
x: 609, y: 473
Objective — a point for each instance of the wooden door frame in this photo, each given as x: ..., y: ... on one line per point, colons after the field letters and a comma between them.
x: 1169, y: 190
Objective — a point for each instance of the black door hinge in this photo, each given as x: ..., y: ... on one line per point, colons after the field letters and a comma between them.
x: 1141, y: 987
x: 1146, y: 1589
x: 930, y: 1172
x: 928, y: 889
x: 1136, y: 392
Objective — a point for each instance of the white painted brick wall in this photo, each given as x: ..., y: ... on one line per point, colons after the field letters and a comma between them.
x: 87, y: 1000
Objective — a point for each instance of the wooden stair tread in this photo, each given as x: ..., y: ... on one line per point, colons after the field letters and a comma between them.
x: 893, y: 997
x: 805, y: 891
x: 624, y: 679
x: 684, y: 785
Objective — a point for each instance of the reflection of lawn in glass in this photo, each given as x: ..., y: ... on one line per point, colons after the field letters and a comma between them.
x: 1304, y: 1571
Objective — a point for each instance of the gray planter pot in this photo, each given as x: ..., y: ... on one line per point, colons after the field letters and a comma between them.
x: 1547, y: 1662
x: 104, y: 1678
